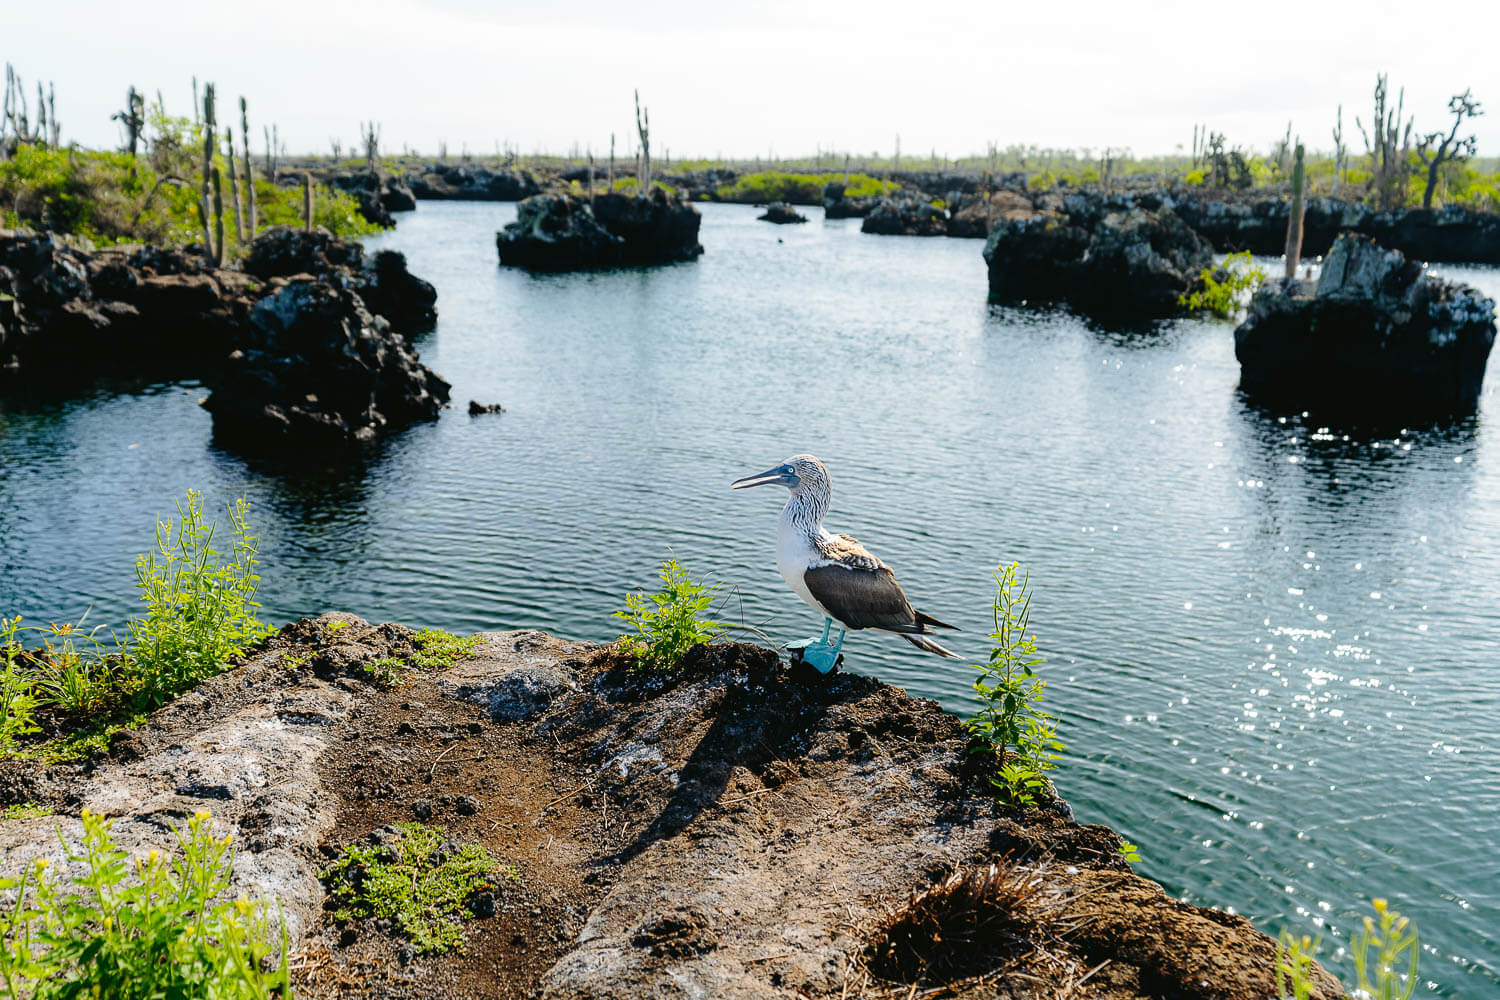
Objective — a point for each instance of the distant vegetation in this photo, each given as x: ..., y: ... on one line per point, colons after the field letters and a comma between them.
x: 1224, y: 289
x: 799, y: 189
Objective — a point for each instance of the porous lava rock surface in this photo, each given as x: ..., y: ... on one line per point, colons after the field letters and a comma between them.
x: 739, y: 829
x: 1376, y: 334
x: 1105, y: 256
x: 561, y: 232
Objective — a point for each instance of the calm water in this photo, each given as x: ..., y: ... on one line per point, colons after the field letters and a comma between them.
x: 1274, y: 649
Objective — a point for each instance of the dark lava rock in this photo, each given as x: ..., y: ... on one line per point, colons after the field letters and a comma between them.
x: 905, y: 217
x: 445, y: 182
x: 975, y: 215
x: 1449, y: 234
x: 556, y: 232
x: 837, y: 206
x: 467, y: 805
x: 781, y: 213
x: 378, y: 195
x: 319, y: 367
x: 422, y: 809
x: 1374, y: 335
x: 61, y: 305
x: 383, y: 282
x: 477, y: 408
x: 1106, y: 257
x: 283, y: 251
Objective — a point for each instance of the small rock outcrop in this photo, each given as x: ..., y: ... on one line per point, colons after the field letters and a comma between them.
x: 905, y: 217
x: 837, y: 205
x: 446, y: 182
x: 378, y: 195
x: 781, y: 213
x: 1106, y: 257
x: 975, y: 215
x: 559, y: 232
x: 385, y: 284
x: 316, y: 365
x: 305, y: 340
x: 1375, y: 335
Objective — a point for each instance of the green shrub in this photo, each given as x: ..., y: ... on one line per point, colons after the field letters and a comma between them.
x: 1224, y: 289
x: 199, y: 603
x: 1015, y: 736
x: 24, y: 810
x: 669, y: 622
x: 426, y: 887
x: 18, y: 701
x: 158, y: 933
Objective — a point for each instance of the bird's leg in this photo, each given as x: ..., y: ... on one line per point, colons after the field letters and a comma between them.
x: 827, y: 624
x: 819, y: 653
x: 836, y: 649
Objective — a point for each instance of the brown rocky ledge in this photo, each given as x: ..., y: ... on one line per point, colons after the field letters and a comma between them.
x: 741, y: 830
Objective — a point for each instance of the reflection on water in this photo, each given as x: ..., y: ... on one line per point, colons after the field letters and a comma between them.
x: 1273, y: 650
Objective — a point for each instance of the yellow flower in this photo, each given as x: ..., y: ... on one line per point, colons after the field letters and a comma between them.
x: 201, y: 815
x: 108, y: 921
x: 1379, y: 905
x: 42, y: 863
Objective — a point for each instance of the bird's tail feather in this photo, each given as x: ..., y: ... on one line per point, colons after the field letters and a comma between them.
x: 922, y: 642
x: 931, y: 622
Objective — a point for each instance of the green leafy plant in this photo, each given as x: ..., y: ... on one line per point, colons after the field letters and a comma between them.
x: 159, y: 932
x: 669, y: 622
x: 1222, y: 289
x: 439, y: 650
x: 1380, y: 949
x: 1012, y: 732
x: 18, y: 701
x: 425, y: 886
x: 24, y: 810
x: 1130, y: 852
x: 1294, y: 963
x: 199, y: 601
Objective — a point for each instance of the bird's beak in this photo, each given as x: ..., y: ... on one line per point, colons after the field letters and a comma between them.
x: 782, y: 475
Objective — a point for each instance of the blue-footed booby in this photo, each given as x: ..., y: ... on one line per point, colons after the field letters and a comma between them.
x: 835, y: 574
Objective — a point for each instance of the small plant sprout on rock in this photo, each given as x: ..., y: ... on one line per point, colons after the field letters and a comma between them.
x: 427, y: 886
x: 1294, y: 962
x: 1016, y: 738
x: 432, y: 649
x: 669, y: 622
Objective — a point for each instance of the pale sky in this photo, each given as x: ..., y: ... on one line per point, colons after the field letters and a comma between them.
x: 786, y: 77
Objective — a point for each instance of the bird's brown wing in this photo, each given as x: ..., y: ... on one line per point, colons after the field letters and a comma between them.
x: 862, y: 598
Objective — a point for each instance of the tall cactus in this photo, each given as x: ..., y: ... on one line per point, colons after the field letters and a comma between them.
x: 205, y: 194
x: 234, y: 186
x: 643, y: 129
x: 250, y: 218
x: 133, y: 118
x: 1294, y: 217
x: 218, y: 250
x: 307, y: 200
